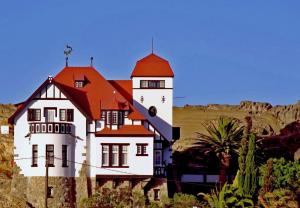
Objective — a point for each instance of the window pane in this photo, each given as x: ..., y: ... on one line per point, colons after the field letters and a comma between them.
x: 144, y: 84
x: 144, y: 149
x: 124, y: 155
x: 162, y: 84
x: 121, y: 118
x: 139, y: 149
x: 62, y: 114
x: 70, y: 114
x: 105, y: 150
x: 114, y: 117
x: 64, y: 156
x: 108, y: 117
x: 115, y: 155
x: 34, y: 155
x: 157, y: 157
x: 50, y: 154
x: 37, y: 114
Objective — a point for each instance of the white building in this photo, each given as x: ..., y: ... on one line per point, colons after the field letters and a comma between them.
x: 122, y: 129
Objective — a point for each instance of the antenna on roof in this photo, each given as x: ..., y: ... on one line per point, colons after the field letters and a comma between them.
x: 92, y: 58
x: 152, y: 46
x: 68, y: 50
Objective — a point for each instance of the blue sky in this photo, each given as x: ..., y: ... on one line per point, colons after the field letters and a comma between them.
x: 220, y: 51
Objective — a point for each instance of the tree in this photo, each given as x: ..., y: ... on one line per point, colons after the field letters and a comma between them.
x: 250, y: 181
x: 223, y: 140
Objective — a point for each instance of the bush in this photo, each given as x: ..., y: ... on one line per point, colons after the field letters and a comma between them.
x: 278, y: 198
x: 228, y: 196
x: 280, y: 174
x: 108, y: 199
x: 184, y: 200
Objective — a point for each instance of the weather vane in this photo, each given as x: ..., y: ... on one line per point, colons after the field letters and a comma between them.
x: 68, y: 50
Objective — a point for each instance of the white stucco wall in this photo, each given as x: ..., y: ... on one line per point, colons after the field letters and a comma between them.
x: 138, y: 165
x: 23, y: 146
x: 163, y: 121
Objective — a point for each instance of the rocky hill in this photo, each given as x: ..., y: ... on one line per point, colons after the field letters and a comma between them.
x: 267, y: 119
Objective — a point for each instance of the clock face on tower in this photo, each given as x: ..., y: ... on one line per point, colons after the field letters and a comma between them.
x: 152, y: 111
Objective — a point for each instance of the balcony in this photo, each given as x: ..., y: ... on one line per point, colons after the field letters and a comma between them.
x: 50, y: 128
x: 160, y: 171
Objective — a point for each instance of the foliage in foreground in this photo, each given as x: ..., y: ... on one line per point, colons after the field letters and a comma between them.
x: 280, y: 183
x: 123, y: 198
x: 247, y: 173
x: 223, y: 140
x: 228, y: 196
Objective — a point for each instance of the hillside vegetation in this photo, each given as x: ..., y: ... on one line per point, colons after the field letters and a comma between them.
x: 267, y: 119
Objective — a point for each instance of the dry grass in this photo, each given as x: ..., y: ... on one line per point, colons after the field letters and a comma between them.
x: 192, y: 118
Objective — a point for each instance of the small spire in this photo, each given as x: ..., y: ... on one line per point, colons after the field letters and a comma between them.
x: 92, y: 58
x: 152, y: 46
x: 68, y: 50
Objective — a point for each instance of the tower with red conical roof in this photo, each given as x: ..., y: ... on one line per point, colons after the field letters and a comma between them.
x: 152, y: 87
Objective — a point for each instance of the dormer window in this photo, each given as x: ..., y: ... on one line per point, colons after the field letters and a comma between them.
x: 79, y: 80
x: 152, y: 84
x: 113, y: 117
x: 79, y: 84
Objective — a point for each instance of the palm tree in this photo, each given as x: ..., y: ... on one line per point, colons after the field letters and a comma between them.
x: 223, y: 140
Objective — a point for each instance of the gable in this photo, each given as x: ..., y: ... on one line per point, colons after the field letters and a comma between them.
x: 49, y: 90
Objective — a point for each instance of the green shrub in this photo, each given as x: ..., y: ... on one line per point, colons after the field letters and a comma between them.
x: 279, y: 198
x: 280, y: 174
x: 184, y: 200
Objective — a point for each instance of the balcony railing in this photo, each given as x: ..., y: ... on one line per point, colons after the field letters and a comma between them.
x: 51, y: 128
x: 160, y: 171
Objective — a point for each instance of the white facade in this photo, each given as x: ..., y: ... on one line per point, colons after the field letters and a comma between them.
x: 137, y: 165
x: 162, y: 100
x: 75, y: 142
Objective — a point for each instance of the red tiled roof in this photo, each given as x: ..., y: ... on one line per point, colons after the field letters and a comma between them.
x: 124, y: 87
x: 152, y: 66
x: 127, y: 130
x: 96, y: 95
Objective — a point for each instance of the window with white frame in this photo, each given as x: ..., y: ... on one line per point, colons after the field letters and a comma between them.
x: 115, y: 155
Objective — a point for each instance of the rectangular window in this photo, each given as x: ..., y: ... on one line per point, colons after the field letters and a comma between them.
x: 121, y: 118
x: 144, y: 84
x: 157, y: 157
x: 64, y: 155
x: 105, y: 155
x: 141, y: 149
x: 79, y: 84
x: 152, y: 84
x: 62, y: 114
x: 115, y: 117
x: 70, y: 115
x: 115, y: 155
x: 50, y: 154
x: 156, y: 194
x: 34, y: 155
x: 34, y: 114
x: 108, y: 117
x: 124, y: 155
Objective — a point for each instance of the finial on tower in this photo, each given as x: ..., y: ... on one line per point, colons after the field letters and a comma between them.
x: 92, y: 58
x: 152, y: 46
x: 68, y: 50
